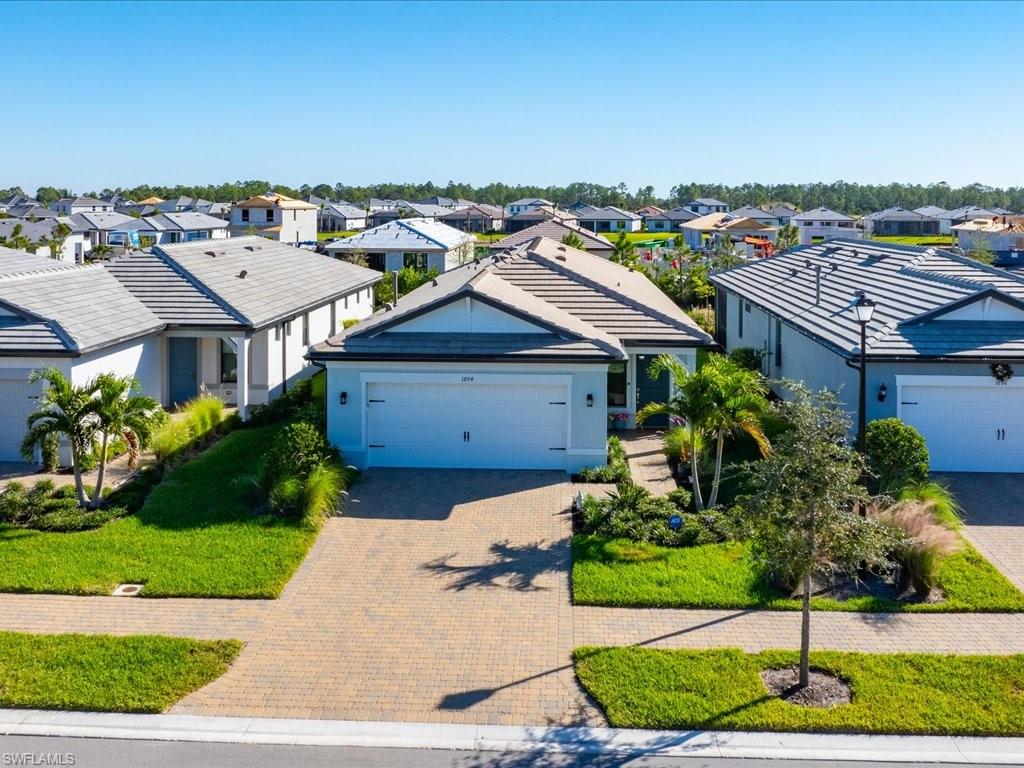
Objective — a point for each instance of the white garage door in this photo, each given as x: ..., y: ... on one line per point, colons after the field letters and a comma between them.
x: 16, y: 403
x: 472, y: 425
x: 969, y: 427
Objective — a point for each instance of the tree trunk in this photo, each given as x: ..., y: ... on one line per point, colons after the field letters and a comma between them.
x: 718, y: 471
x: 805, y: 633
x: 698, y: 501
x: 101, y: 474
x: 83, y: 501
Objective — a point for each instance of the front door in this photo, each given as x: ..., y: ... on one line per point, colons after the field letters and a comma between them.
x: 182, y: 355
x: 650, y: 390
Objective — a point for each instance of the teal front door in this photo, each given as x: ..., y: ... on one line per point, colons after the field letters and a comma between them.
x: 650, y: 390
x: 182, y: 366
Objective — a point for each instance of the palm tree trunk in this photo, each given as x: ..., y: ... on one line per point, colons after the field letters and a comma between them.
x: 718, y: 471
x: 101, y: 475
x: 805, y: 633
x: 83, y: 501
x: 698, y: 500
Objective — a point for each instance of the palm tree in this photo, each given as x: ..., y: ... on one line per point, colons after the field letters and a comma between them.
x: 122, y: 411
x: 787, y: 237
x: 623, y: 250
x: 573, y: 240
x: 17, y: 240
x: 64, y: 409
x: 719, y: 399
x: 55, y: 242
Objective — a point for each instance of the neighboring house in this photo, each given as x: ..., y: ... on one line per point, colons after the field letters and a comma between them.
x: 757, y: 214
x: 933, y: 211
x: 379, y: 204
x: 1002, y: 235
x: 824, y: 224
x: 783, y: 213
x: 16, y: 201
x: 73, y: 249
x: 750, y: 238
x: 239, y: 311
x: 515, y: 362
x: 609, y: 219
x: 900, y: 221
x: 418, y: 243
x: 341, y: 217
x: 136, y: 209
x: 69, y: 206
x: 151, y: 200
x: 107, y: 228
x: 649, y: 210
x: 961, y: 215
x: 183, y: 227
x: 533, y: 216
x: 31, y: 211
x: 179, y: 204
x: 220, y: 210
x: 556, y: 230
x: 524, y: 204
x: 406, y: 210
x: 75, y: 318
x: 669, y: 221
x: 445, y: 202
x: 705, y: 205
x: 943, y: 327
x: 478, y: 217
x: 275, y: 217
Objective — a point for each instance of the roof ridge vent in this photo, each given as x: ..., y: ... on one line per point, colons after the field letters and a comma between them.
x: 242, y: 274
x: 212, y: 254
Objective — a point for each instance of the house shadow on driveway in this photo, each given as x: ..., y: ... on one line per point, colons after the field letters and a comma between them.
x: 988, y: 498
x: 432, y: 494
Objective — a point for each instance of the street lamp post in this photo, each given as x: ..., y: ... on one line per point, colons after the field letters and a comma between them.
x: 863, y: 310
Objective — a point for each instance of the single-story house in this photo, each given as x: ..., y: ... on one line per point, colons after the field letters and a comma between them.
x: 524, y: 204
x: 136, y: 209
x: 824, y: 224
x: 961, y: 215
x: 942, y: 344
x: 609, y: 219
x: 381, y: 204
x: 532, y: 216
x: 108, y: 228
x: 783, y: 212
x: 15, y: 201
x: 513, y: 362
x: 182, y: 227
x: 179, y: 204
x: 757, y: 214
x: 649, y: 210
x: 341, y: 217
x: 1002, y: 235
x: 669, y: 221
x: 445, y: 202
x: 930, y: 210
x: 706, y: 230
x: 479, y: 217
x: 31, y: 211
x: 73, y: 248
x: 556, y: 230
x: 899, y: 221
x: 705, y: 205
x: 418, y: 243
x: 405, y: 209
x: 69, y: 206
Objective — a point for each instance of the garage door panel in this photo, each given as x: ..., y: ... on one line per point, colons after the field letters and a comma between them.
x: 968, y: 427
x: 471, y: 425
x: 17, y: 399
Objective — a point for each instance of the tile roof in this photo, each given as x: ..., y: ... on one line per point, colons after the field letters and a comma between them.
x: 676, y: 214
x: 930, y: 210
x: 590, y: 307
x: 966, y: 212
x: 182, y: 221
x: 908, y: 284
x: 555, y: 230
x: 706, y: 201
x: 15, y: 263
x: 404, y: 234
x: 105, y: 220
x: 345, y: 210
x: 821, y: 214
x: 897, y: 214
x: 608, y: 212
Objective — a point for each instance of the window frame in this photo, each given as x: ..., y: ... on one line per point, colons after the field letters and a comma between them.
x: 227, y: 351
x: 614, y: 376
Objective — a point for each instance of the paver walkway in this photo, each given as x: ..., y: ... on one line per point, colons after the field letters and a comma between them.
x: 993, y: 510
x: 444, y: 597
x: 647, y: 463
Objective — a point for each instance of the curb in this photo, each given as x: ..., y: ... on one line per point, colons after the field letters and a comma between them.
x: 505, y: 738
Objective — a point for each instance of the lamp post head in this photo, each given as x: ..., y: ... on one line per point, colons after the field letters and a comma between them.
x: 863, y: 309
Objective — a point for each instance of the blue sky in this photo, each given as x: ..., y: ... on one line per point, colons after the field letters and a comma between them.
x: 120, y: 94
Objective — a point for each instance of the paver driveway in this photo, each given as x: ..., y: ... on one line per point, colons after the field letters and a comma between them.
x: 441, y: 596
x: 993, y: 509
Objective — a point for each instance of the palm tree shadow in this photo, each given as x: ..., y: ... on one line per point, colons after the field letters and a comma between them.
x: 515, y: 567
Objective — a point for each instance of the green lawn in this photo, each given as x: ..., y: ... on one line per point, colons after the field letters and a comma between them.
x: 488, y: 237
x: 639, y: 237
x: 195, y: 536
x: 138, y: 673
x: 921, y: 240
x: 722, y: 690
x: 335, y: 235
x: 618, y: 572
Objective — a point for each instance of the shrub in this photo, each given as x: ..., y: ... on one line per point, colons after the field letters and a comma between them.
x: 295, y: 451
x: 170, y: 440
x: 288, y: 405
x: 349, y: 323
x: 285, y: 496
x: 681, y: 497
x: 921, y: 543
x: 615, y: 471
x: 70, y: 517
x: 322, y: 493
x: 203, y: 414
x: 897, y: 455
x: 941, y: 500
x: 703, y: 317
x: 679, y: 443
x: 747, y: 357
x: 45, y: 507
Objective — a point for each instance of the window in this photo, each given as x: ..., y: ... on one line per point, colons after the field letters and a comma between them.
x: 305, y: 329
x: 270, y: 215
x: 617, y: 384
x: 245, y: 214
x: 228, y: 363
x: 778, y: 343
x: 739, y: 319
x: 416, y: 261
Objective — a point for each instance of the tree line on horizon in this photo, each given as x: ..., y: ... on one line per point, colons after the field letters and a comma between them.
x: 841, y: 196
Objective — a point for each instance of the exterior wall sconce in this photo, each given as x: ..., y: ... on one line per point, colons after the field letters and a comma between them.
x: 343, y: 398
x: 883, y: 392
x: 590, y: 400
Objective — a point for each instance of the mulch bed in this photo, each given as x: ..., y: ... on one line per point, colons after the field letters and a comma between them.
x: 823, y: 689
